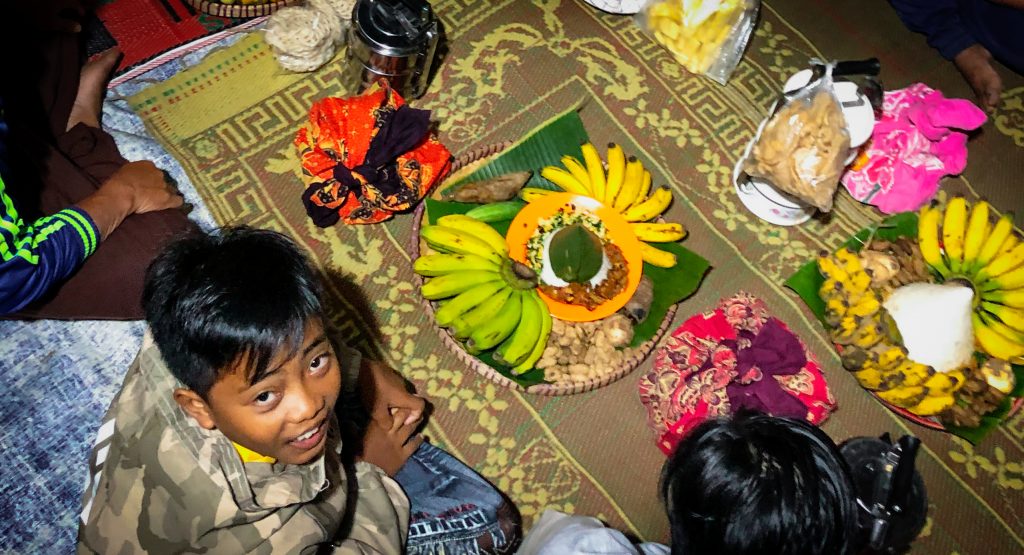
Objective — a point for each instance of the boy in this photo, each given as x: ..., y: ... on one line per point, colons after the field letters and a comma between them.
x: 752, y: 484
x: 224, y: 435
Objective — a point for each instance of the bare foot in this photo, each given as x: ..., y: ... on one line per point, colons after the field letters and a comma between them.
x: 975, y: 63
x: 89, y: 99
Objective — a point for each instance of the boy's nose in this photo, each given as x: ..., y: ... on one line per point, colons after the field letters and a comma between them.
x: 305, y: 404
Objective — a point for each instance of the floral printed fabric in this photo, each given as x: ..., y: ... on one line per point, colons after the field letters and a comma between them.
x: 919, y: 139
x: 736, y: 356
x: 367, y: 156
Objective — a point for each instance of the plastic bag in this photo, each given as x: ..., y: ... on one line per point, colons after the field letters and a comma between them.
x: 802, y: 148
x: 707, y: 37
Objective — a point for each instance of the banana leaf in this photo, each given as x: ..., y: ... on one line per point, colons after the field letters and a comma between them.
x: 543, y: 146
x: 671, y: 285
x: 807, y: 281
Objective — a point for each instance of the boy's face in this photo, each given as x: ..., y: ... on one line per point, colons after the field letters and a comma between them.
x: 285, y: 414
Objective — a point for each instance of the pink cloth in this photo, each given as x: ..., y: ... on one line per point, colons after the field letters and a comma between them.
x: 918, y: 139
x: 735, y: 356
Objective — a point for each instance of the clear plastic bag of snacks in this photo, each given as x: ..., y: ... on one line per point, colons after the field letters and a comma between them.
x: 707, y: 37
x: 802, y: 147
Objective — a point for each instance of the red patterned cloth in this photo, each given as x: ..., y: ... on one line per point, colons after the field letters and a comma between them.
x: 736, y: 356
x: 367, y: 156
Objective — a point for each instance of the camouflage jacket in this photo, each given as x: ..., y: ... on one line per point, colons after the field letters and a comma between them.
x: 160, y: 483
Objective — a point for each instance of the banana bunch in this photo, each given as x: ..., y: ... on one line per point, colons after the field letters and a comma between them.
x: 961, y: 242
x: 858, y: 323
x: 485, y: 299
x: 626, y: 187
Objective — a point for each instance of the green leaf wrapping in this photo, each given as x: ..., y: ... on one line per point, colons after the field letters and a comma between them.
x: 576, y: 254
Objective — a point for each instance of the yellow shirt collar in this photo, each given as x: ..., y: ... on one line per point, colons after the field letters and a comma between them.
x: 248, y: 455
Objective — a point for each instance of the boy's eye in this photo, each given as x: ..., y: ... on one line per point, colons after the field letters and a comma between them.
x: 319, y: 363
x: 265, y: 398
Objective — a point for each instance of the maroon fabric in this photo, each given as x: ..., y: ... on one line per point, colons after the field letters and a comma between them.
x: 53, y: 168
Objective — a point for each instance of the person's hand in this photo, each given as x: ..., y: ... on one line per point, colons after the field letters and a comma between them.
x: 384, y: 391
x: 136, y: 188
x: 388, y: 444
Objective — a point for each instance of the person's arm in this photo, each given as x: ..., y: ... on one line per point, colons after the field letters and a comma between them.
x: 33, y: 257
x: 939, y: 21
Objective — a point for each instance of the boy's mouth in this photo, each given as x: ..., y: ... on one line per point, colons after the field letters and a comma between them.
x: 310, y: 438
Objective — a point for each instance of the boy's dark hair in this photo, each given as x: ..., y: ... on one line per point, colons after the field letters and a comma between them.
x: 242, y: 294
x: 756, y: 484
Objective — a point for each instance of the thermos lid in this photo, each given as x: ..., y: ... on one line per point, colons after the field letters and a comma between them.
x: 393, y: 27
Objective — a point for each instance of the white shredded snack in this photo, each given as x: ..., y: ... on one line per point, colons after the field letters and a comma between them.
x: 303, y: 37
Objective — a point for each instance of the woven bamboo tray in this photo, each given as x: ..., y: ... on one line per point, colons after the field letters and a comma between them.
x: 416, y: 246
x: 239, y: 10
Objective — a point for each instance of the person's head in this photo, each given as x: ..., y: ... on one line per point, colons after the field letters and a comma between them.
x: 237, y: 317
x: 756, y: 484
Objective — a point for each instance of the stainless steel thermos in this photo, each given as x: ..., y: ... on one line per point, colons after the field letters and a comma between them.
x: 394, y: 39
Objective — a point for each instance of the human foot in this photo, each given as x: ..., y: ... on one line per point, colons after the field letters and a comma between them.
x: 89, y: 99
x: 975, y: 63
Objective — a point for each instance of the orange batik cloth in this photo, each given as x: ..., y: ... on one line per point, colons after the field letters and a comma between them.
x: 368, y: 156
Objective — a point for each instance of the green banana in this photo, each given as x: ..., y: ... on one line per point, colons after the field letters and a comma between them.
x: 458, y: 241
x: 452, y: 309
x: 444, y: 263
x: 463, y: 326
x: 496, y: 211
x: 519, y: 345
x: 450, y: 285
x: 542, y: 339
x: 489, y: 334
x: 478, y: 229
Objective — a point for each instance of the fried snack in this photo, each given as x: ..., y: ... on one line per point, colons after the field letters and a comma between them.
x: 803, y: 148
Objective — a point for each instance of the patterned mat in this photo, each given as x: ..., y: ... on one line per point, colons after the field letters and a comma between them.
x: 511, y: 65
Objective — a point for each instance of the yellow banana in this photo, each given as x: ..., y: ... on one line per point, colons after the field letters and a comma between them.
x: 928, y: 239
x: 496, y: 330
x: 849, y: 260
x: 514, y: 350
x: 645, y: 187
x: 464, y: 325
x: 870, y: 377
x: 444, y: 263
x: 1001, y: 328
x: 995, y: 239
x: 542, y: 340
x: 658, y: 232
x: 914, y: 373
x: 1002, y: 263
x: 977, y: 232
x: 993, y: 343
x: 452, y: 309
x: 828, y: 268
x: 657, y: 257
x: 869, y: 333
x: 933, y: 405
x: 954, y: 225
x: 1013, y: 298
x: 943, y: 383
x: 450, y: 285
x: 651, y: 208
x: 458, y: 241
x: 1010, y: 280
x: 595, y: 169
x: 478, y: 229
x: 564, y: 179
x: 844, y: 332
x: 1013, y: 317
x: 530, y: 194
x: 889, y: 356
x: 579, y: 171
x: 835, y: 310
x: 866, y: 305
x: 1009, y: 244
x: 616, y: 173
x: 904, y: 397
x: 630, y: 184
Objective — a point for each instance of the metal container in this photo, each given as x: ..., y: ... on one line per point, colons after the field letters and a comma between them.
x: 394, y: 39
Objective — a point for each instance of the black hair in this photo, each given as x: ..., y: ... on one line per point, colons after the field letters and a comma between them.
x: 756, y: 484
x: 240, y: 295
